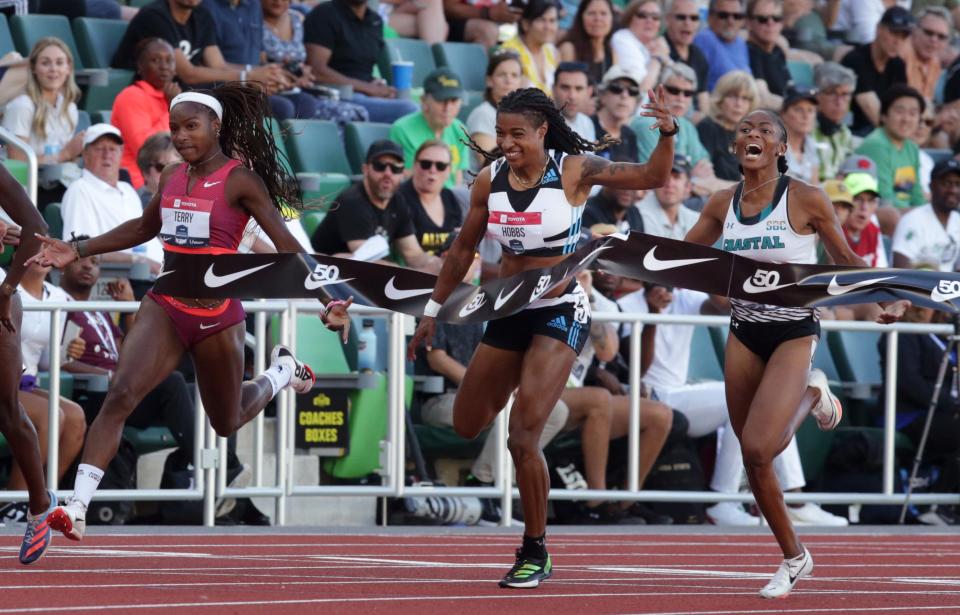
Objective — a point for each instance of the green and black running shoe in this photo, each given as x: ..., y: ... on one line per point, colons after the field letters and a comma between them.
x: 527, y: 572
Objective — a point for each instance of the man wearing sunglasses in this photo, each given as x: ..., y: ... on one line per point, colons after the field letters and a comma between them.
x: 371, y: 209
x: 721, y: 42
x: 922, y: 54
x: 619, y: 97
x: 437, y: 119
x: 768, y: 62
x: 154, y: 155
x: 683, y: 22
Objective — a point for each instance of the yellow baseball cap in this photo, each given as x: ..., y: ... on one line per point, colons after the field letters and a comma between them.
x: 859, y: 183
x: 838, y: 191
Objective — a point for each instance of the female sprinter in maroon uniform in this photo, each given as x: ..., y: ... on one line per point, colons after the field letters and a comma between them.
x: 203, y: 206
x: 770, y: 387
x: 530, y: 199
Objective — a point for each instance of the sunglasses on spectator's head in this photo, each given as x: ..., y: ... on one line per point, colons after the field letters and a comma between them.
x: 765, y: 19
x: 616, y: 88
x: 380, y: 167
x: 426, y: 164
x: 723, y: 15
x: 679, y: 91
x: 693, y: 17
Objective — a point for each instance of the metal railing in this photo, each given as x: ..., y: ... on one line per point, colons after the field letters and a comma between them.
x: 210, y: 451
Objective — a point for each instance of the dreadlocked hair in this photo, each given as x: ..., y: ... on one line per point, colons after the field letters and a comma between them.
x: 536, y: 106
x: 246, y: 136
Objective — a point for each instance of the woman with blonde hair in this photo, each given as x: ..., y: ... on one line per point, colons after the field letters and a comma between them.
x: 46, y: 116
x: 734, y: 96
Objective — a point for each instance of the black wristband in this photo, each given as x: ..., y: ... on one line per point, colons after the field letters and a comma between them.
x: 676, y: 129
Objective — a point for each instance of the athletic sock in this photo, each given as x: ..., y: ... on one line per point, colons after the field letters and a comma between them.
x: 534, y: 547
x: 88, y: 479
x: 278, y: 375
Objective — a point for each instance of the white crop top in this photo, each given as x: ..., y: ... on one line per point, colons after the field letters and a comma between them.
x: 535, y: 222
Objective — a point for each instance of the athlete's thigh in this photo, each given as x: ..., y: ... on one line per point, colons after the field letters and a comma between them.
x: 742, y: 373
x: 150, y: 351
x: 491, y: 376
x: 11, y: 361
x: 777, y: 400
x: 219, y: 362
x: 543, y: 376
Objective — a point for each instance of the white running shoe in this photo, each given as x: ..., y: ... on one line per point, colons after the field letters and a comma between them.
x: 812, y: 514
x: 302, y: 378
x: 731, y: 513
x: 828, y: 411
x: 71, y: 519
x: 790, y: 571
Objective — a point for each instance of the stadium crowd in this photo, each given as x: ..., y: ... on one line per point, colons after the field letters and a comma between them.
x: 869, y: 91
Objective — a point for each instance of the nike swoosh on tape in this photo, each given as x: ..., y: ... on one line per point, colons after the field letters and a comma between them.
x: 835, y: 288
x: 501, y: 300
x: 210, y: 184
x: 750, y: 288
x: 163, y: 273
x: 311, y: 284
x: 205, y: 327
x: 397, y: 294
x: 213, y: 280
x: 651, y: 262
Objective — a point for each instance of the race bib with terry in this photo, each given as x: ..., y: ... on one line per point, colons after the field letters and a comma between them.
x: 185, y: 221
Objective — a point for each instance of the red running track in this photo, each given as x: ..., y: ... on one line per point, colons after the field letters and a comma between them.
x: 457, y: 572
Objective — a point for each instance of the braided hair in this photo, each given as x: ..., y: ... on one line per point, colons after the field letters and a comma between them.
x: 245, y: 135
x: 781, y: 160
x: 537, y: 107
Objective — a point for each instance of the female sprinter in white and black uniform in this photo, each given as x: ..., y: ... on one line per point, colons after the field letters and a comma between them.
x: 770, y: 389
x: 531, y: 199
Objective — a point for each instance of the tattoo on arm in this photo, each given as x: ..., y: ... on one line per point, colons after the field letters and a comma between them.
x: 595, y: 166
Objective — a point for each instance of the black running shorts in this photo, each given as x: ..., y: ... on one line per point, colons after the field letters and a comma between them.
x: 763, y: 338
x: 565, y: 318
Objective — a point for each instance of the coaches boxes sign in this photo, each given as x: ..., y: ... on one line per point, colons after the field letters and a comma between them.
x: 321, y: 422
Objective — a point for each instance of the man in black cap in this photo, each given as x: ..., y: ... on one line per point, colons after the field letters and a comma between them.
x: 878, y: 66
x: 368, y: 219
x: 442, y: 96
x: 927, y: 235
x: 613, y: 209
x: 665, y: 215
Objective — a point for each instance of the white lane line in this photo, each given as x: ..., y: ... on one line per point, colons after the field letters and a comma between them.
x: 849, y: 609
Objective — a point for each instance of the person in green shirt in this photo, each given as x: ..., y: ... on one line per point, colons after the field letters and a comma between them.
x: 889, y: 146
x: 442, y: 96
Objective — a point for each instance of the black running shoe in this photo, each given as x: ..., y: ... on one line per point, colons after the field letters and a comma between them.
x: 528, y: 572
x: 650, y: 516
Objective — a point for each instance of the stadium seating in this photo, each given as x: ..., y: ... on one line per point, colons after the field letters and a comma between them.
x: 100, y: 97
x: 6, y: 39
x: 315, y: 146
x: 54, y: 220
x: 704, y: 364
x: 97, y: 117
x: 98, y: 39
x: 801, y: 73
x: 28, y: 29
x: 409, y: 49
x: 358, y: 136
x: 471, y: 102
x: 469, y: 60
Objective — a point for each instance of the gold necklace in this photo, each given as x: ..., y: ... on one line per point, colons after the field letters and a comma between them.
x: 524, y: 184
x: 746, y: 192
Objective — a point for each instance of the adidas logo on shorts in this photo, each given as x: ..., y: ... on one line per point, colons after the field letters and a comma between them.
x: 558, y: 322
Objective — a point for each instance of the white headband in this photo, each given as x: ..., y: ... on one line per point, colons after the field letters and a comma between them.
x: 202, y: 99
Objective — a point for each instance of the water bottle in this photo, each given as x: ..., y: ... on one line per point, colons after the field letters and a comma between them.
x: 446, y: 510
x: 367, y: 347
x: 51, y: 149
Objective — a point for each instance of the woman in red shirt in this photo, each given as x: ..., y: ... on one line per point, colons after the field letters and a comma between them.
x: 141, y: 109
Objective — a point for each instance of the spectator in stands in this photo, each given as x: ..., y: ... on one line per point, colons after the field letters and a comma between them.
x: 928, y: 235
x: 614, y: 206
x: 683, y: 22
x: 192, y: 31
x: 479, y: 21
x: 835, y: 86
x: 503, y: 76
x: 945, y: 133
x: 734, y: 96
x: 804, y: 28
x: 99, y: 201
x: 434, y: 210
x: 534, y: 42
x: 878, y: 67
x: 35, y: 346
x: 370, y: 211
x: 667, y: 350
x: 46, y: 116
x: 573, y: 94
x: 768, y: 62
x: 101, y: 9
x: 665, y: 215
x: 721, y: 43
x: 169, y: 404
x: 143, y: 108
x: 344, y: 39
x: 861, y: 233
x: 638, y: 46
x: 842, y: 200
x: 922, y: 54
x: 423, y: 19
x: 799, y: 115
x: 619, y: 96
x: 437, y: 119
x: 891, y: 147
x: 588, y: 40
x: 154, y: 156
x: 918, y: 363
x: 857, y: 19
